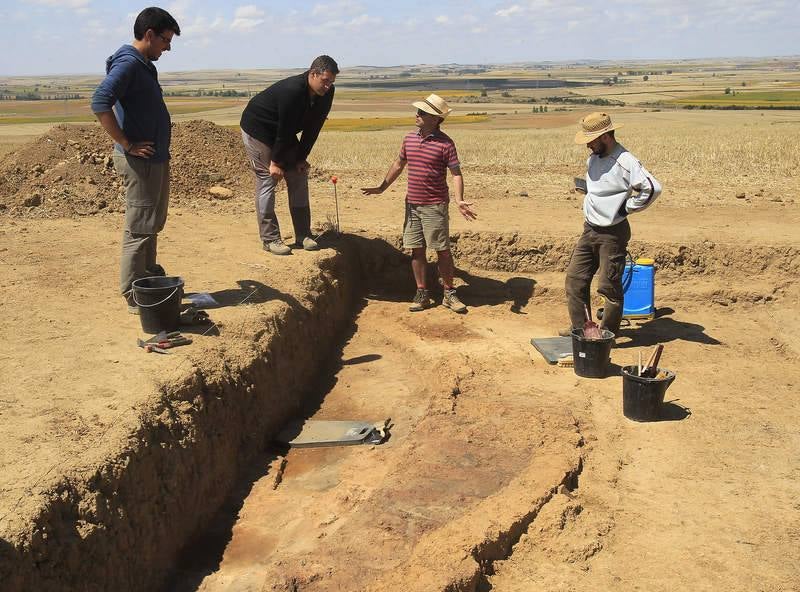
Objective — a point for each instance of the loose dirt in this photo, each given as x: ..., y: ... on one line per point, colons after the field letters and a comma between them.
x: 124, y: 470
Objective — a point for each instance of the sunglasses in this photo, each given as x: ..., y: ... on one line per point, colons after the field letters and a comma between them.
x: 422, y: 113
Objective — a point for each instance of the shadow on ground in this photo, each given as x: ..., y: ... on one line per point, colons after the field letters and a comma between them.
x: 664, y: 329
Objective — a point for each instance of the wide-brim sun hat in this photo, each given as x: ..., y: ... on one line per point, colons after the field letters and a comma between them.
x: 593, y: 126
x: 435, y: 105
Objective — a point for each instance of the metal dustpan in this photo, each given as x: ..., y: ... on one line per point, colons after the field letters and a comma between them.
x: 313, y: 433
x: 553, y: 349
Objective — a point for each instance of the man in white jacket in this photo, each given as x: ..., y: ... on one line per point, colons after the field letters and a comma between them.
x: 616, y: 185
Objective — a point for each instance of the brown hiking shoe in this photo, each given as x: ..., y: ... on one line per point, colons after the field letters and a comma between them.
x: 421, y: 301
x: 565, y: 332
x: 452, y: 302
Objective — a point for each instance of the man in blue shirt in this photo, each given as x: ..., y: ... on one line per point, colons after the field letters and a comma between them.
x: 130, y: 107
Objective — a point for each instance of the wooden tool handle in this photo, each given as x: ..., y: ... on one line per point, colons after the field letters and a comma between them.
x: 652, y: 363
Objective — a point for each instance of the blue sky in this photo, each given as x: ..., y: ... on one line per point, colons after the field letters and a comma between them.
x: 75, y: 36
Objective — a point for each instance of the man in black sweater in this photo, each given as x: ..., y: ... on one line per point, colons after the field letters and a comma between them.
x: 270, y: 124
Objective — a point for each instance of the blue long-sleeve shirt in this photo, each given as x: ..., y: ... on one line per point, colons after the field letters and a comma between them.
x: 131, y: 90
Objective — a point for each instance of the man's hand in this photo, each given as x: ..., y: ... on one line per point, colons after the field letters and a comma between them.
x: 275, y: 172
x: 141, y: 149
x: 373, y: 190
x: 302, y: 167
x: 466, y: 211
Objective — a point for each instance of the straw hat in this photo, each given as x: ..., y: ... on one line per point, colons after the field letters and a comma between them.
x: 593, y: 126
x: 435, y: 105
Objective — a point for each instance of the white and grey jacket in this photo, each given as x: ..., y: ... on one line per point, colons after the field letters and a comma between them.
x: 617, y: 185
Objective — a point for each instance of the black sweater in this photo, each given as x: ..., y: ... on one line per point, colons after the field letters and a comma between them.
x: 275, y: 116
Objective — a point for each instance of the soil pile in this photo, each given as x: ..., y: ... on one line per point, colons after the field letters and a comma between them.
x: 69, y: 171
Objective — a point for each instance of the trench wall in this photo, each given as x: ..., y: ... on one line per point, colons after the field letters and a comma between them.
x: 120, y: 525
x: 513, y: 252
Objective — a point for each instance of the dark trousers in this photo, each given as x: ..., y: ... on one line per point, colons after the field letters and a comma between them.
x: 601, y: 251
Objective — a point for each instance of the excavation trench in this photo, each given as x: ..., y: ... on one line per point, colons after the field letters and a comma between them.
x: 193, y: 498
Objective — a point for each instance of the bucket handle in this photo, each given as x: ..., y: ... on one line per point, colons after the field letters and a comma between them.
x: 136, y: 302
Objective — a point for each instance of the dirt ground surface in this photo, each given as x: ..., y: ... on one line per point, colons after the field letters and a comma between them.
x: 502, y: 472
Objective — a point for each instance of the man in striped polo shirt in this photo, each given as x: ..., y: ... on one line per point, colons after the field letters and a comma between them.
x: 429, y: 152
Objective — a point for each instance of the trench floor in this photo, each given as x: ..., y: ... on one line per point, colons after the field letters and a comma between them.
x: 473, y: 405
x: 340, y: 517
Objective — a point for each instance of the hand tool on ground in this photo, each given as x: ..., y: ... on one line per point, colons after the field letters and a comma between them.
x: 150, y: 347
x: 163, y: 336
x: 163, y: 341
x: 174, y: 342
x: 334, y: 180
x: 590, y: 328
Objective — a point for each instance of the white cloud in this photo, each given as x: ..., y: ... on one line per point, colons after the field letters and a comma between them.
x: 200, y: 31
x: 73, y: 4
x: 364, y: 20
x: 180, y: 9
x: 442, y: 19
x: 510, y: 11
x: 337, y: 8
x: 246, y: 18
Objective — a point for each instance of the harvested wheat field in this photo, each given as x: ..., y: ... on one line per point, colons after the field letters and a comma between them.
x: 127, y: 471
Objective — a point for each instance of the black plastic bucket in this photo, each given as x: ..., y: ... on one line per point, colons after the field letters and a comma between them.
x: 643, y: 398
x: 591, y: 356
x: 159, y: 302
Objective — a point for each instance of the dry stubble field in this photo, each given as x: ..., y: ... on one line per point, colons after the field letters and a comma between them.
x: 502, y: 473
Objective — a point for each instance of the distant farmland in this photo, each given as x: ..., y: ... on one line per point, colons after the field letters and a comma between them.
x: 779, y: 99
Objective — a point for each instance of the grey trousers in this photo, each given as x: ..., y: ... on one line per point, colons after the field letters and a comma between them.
x: 146, y: 202
x: 599, y: 250
x: 259, y: 156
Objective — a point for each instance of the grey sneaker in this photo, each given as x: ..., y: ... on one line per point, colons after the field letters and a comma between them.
x: 452, y: 302
x: 309, y: 244
x: 421, y: 301
x: 277, y: 247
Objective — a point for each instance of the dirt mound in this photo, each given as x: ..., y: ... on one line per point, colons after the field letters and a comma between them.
x: 69, y: 171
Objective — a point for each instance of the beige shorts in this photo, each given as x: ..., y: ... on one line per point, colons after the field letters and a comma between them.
x: 427, y: 226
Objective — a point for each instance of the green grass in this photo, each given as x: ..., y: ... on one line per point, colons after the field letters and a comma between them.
x: 410, y: 95
x: 365, y: 124
x: 78, y: 111
x: 777, y: 98
x: 17, y: 120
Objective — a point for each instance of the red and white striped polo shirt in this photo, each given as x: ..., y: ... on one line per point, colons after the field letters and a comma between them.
x: 428, y: 160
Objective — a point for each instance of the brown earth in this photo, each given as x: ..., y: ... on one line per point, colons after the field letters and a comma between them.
x: 502, y: 472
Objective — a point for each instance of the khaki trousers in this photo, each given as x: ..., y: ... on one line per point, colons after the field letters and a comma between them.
x: 146, y: 202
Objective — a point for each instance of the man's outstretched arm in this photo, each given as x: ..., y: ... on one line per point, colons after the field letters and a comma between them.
x: 391, y: 176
